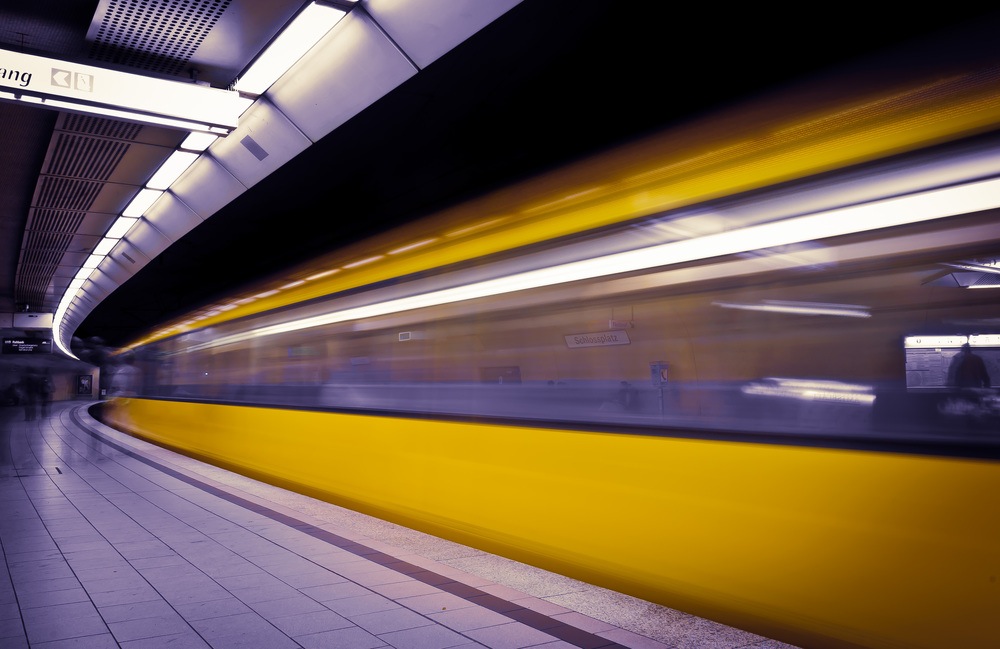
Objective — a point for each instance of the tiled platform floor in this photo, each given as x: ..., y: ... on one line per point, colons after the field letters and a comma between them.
x: 112, y: 542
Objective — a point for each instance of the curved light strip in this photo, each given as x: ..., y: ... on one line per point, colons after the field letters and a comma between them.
x: 915, y: 208
x: 301, y: 34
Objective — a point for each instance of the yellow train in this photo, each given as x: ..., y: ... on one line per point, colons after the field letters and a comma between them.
x: 714, y: 369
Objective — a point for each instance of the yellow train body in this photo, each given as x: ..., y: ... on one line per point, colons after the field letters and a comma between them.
x: 814, y: 546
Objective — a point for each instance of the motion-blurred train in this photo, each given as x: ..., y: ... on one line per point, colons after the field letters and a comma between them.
x: 713, y: 369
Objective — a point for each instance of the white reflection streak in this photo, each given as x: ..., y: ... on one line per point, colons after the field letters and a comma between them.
x: 914, y: 208
x: 801, y: 308
x: 812, y: 390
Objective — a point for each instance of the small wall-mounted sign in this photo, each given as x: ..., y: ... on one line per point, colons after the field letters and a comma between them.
x: 598, y: 339
x: 658, y: 373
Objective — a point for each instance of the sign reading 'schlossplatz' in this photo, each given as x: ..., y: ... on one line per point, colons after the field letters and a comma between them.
x: 64, y: 84
x: 598, y: 339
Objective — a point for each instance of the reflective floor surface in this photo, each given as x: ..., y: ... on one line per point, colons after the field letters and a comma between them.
x: 112, y: 542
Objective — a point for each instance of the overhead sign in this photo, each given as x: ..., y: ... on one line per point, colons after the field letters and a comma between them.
x: 25, y: 345
x: 599, y: 339
x: 72, y: 86
x: 32, y: 321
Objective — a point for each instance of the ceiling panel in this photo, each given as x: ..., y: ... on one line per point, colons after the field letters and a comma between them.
x: 172, y: 217
x: 264, y: 141
x: 427, y: 29
x: 114, y: 270
x: 207, y: 186
x: 130, y: 257
x: 148, y: 239
x: 96, y: 290
x: 354, y: 66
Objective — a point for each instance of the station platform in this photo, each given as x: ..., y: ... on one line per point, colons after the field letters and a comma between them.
x: 110, y: 541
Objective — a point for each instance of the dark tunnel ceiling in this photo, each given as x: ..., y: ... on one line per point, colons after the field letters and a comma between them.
x: 549, y: 82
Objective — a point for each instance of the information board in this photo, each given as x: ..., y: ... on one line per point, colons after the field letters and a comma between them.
x: 929, y: 358
x: 27, y: 345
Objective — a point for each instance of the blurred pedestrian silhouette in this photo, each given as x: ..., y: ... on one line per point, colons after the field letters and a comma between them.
x: 126, y: 378
x: 968, y: 376
x: 967, y: 370
x: 31, y: 392
x: 628, y: 396
x: 45, y: 390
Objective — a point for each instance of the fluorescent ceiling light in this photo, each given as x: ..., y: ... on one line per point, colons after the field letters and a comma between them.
x: 913, y: 208
x: 142, y: 202
x: 199, y: 141
x: 295, y: 40
x: 105, y: 246
x: 93, y: 261
x: 81, y: 275
x: 171, y: 169
x: 121, y: 227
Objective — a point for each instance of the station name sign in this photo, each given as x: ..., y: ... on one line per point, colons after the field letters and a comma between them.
x: 599, y: 339
x: 26, y: 345
x: 72, y: 86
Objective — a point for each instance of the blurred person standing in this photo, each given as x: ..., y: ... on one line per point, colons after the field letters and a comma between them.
x: 968, y: 370
x: 31, y: 391
x: 126, y: 378
x: 45, y: 390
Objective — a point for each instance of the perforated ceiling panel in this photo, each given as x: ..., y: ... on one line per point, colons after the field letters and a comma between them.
x: 154, y: 35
